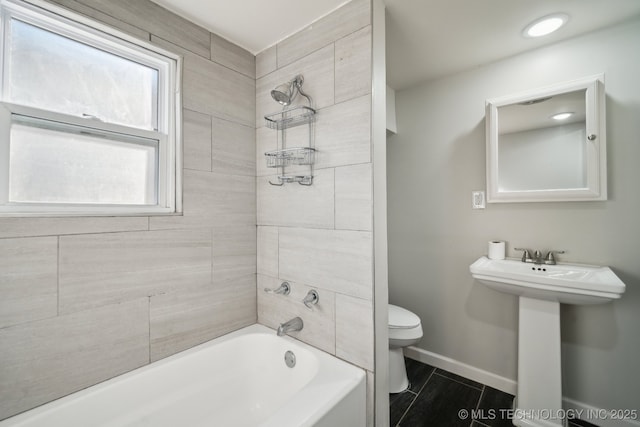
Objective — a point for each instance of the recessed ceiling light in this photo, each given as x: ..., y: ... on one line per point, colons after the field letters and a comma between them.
x: 547, y: 25
x: 562, y: 116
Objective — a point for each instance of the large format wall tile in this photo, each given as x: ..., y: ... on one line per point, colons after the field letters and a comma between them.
x: 217, y: 90
x: 354, y: 197
x: 336, y: 260
x: 318, y: 321
x: 234, y: 252
x: 157, y: 20
x: 318, y: 72
x: 78, y: 7
x: 343, y: 133
x: 266, y: 62
x: 267, y: 263
x: 28, y: 279
x: 196, y: 140
x: 188, y: 317
x: 345, y: 20
x: 233, y: 56
x: 353, y: 65
x: 213, y: 199
x: 25, y: 227
x: 99, y: 269
x: 47, y: 359
x: 266, y: 140
x: 234, y: 148
x: 354, y: 330
x: 297, y: 205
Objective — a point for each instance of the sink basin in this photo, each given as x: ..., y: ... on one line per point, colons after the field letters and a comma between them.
x: 540, y: 290
x: 564, y: 283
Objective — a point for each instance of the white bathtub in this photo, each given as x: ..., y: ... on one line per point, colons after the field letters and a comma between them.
x: 237, y: 380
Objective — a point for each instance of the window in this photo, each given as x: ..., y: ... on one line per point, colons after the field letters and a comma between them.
x: 89, y: 118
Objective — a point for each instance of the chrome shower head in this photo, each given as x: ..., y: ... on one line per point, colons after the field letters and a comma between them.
x: 286, y: 92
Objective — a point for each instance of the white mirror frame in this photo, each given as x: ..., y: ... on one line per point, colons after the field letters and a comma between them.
x: 596, y: 152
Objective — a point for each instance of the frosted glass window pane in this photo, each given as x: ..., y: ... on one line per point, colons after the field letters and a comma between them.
x: 50, y: 166
x: 55, y: 73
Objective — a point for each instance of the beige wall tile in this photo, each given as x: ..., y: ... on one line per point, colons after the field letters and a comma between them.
x: 25, y: 227
x: 233, y: 56
x: 317, y: 69
x: 266, y: 62
x: 154, y: 19
x: 354, y: 330
x: 347, y: 19
x: 274, y: 309
x: 354, y: 200
x: 266, y: 140
x: 188, y: 317
x: 353, y: 65
x: 28, y: 279
x: 100, y: 269
x: 47, y: 359
x: 336, y: 260
x: 78, y: 7
x: 213, y: 199
x: 234, y: 252
x: 343, y: 133
x: 211, y: 88
x: 196, y: 140
x: 297, y: 205
x: 234, y: 147
x: 267, y: 251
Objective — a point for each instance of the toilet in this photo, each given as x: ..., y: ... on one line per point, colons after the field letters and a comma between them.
x: 404, y: 330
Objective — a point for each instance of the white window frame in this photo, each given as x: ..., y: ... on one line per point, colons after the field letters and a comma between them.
x: 168, y: 135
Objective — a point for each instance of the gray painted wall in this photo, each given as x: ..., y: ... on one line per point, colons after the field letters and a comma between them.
x: 437, y: 159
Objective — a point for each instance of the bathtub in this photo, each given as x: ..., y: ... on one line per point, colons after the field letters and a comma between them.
x: 240, y: 379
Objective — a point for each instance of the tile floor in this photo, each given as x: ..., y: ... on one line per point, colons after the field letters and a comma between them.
x: 436, y: 398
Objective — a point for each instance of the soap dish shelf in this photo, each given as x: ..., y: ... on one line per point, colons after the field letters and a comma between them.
x: 290, y: 157
x: 291, y: 117
x: 300, y: 179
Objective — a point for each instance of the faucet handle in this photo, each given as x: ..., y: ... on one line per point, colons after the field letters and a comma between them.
x: 526, y: 255
x: 311, y: 299
x: 549, y: 259
x: 283, y: 289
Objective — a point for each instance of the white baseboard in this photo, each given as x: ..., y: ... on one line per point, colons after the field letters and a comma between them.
x: 462, y: 369
x: 587, y: 413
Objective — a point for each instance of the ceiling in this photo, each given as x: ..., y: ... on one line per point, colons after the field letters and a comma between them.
x: 426, y: 39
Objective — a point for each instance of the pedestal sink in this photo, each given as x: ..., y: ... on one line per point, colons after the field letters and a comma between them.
x: 541, y: 289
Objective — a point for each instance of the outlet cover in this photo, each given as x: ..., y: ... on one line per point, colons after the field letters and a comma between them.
x: 477, y: 200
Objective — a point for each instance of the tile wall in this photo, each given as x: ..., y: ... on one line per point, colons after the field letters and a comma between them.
x: 320, y: 237
x: 85, y: 299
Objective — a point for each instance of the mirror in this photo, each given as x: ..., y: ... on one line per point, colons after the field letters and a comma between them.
x: 548, y: 144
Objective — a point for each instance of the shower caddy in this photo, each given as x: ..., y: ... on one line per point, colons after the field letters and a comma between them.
x: 283, y: 157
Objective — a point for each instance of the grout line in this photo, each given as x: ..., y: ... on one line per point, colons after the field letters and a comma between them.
x: 480, y: 398
x: 407, y: 410
x: 460, y: 382
x: 416, y: 397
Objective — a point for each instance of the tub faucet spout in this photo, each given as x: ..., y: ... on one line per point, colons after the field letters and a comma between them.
x: 292, y: 325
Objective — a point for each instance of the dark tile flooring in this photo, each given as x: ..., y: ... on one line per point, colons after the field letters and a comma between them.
x: 438, y: 398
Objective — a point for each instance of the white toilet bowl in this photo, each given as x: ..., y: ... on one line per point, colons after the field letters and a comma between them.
x: 405, y: 329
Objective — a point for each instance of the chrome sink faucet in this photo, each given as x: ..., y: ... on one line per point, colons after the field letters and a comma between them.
x: 537, y: 259
x: 292, y: 325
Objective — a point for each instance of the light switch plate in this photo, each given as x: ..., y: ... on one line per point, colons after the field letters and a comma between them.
x: 477, y: 200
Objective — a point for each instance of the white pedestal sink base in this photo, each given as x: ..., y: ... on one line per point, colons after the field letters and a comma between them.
x: 539, y: 392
